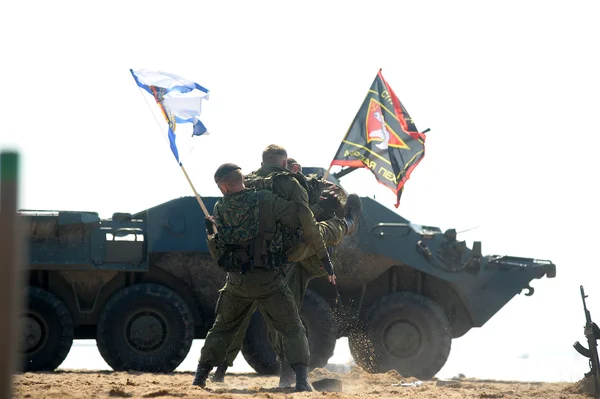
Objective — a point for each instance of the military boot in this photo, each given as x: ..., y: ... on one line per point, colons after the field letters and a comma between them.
x: 219, y: 375
x: 352, y: 212
x: 286, y: 374
x: 201, y: 375
x: 302, y: 384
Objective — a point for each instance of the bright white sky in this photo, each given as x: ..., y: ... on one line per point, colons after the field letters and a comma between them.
x: 510, y: 90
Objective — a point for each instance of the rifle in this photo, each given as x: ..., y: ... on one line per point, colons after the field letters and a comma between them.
x: 591, y: 351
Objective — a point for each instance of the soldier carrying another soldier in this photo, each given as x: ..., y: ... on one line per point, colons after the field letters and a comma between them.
x: 250, y: 246
x: 275, y: 176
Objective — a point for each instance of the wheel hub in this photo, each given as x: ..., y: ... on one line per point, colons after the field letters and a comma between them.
x: 402, y: 339
x: 35, y: 333
x: 146, y: 331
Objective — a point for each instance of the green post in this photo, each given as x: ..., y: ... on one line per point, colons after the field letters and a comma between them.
x: 11, y: 268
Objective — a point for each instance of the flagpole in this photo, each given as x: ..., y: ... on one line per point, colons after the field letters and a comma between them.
x: 327, y: 173
x: 206, y: 214
x: 195, y: 192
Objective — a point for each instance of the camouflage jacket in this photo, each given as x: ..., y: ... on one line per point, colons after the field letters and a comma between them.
x: 293, y: 187
x: 238, y: 217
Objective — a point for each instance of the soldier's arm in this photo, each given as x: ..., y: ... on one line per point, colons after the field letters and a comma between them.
x: 308, y: 223
x: 212, y: 240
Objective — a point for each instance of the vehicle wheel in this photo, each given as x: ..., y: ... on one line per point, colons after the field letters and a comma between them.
x: 48, y: 331
x: 405, y: 332
x: 145, y: 327
x: 318, y: 321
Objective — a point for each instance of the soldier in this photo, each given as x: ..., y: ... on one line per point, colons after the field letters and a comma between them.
x: 249, y: 245
x: 325, y: 203
x: 293, y: 165
x: 275, y: 175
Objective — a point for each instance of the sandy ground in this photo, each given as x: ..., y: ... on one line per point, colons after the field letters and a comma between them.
x: 355, y: 384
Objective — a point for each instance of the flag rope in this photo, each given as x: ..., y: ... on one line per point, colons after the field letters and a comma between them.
x: 206, y: 214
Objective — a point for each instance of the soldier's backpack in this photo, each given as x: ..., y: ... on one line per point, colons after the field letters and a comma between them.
x: 290, y: 235
x: 252, y: 180
x: 243, y: 237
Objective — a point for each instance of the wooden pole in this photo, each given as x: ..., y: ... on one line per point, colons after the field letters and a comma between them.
x: 11, y: 268
x: 326, y: 175
x: 195, y: 192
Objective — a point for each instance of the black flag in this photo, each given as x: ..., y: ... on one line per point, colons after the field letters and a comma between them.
x: 383, y: 138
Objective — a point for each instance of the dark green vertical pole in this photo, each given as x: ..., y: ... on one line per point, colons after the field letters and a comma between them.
x: 11, y: 268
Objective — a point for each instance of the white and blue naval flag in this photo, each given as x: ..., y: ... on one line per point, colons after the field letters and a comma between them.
x: 179, y: 99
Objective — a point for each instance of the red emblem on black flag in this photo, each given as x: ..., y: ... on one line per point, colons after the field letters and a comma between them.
x: 383, y: 138
x: 379, y: 130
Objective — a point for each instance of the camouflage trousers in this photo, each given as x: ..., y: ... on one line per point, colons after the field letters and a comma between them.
x: 241, y: 295
x: 298, y: 274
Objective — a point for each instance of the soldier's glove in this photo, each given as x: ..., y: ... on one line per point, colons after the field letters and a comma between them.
x: 327, y: 265
x: 330, y: 201
x: 210, y: 226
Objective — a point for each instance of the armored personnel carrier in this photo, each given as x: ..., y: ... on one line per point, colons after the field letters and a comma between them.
x: 144, y: 286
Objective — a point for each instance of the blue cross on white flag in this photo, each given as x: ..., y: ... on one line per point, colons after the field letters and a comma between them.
x: 179, y: 99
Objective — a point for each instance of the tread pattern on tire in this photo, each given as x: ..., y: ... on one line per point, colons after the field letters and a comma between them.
x: 66, y: 340
x: 137, y: 290
x: 362, y: 348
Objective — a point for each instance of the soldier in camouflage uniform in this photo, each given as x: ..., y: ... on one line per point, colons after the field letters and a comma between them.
x: 274, y: 176
x: 318, y: 195
x: 325, y: 200
x: 249, y: 244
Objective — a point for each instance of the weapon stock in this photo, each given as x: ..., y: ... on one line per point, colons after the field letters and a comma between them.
x: 591, y: 351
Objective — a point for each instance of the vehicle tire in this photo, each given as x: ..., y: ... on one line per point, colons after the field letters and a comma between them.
x: 145, y: 327
x: 406, y: 332
x: 318, y: 321
x: 48, y: 331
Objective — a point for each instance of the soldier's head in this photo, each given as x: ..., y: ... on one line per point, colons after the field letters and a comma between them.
x: 274, y: 155
x: 293, y: 165
x: 229, y: 178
